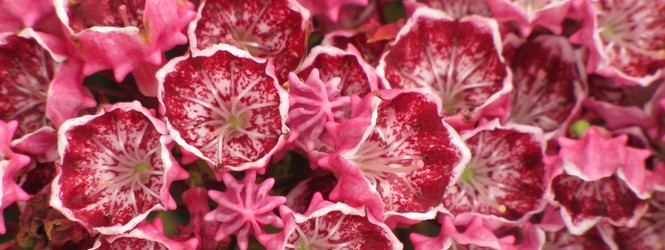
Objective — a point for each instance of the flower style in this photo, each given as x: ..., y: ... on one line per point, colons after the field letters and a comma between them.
x: 224, y: 106
x: 328, y: 225
x: 275, y: 29
x: 144, y: 237
x: 460, y: 61
x: 505, y: 177
x: 115, y: 168
x: 407, y: 157
x: 10, y: 163
x: 245, y: 208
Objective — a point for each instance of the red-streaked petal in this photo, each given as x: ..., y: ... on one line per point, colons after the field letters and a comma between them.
x: 267, y: 29
x: 505, y: 177
x: 115, y: 168
x: 328, y: 225
x: 301, y: 195
x: 625, y: 39
x: 356, y: 76
x: 408, y: 154
x: 458, y: 60
x: 585, y: 203
x: 144, y: 237
x: 224, y: 106
x: 563, y: 239
x: 26, y: 71
x: 548, y: 84
x: 649, y: 231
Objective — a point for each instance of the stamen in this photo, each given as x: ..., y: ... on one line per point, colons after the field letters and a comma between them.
x: 124, y: 16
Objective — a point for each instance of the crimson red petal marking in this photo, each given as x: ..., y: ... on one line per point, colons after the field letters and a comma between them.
x: 26, y: 71
x: 584, y: 203
x: 115, y: 168
x: 505, y: 176
x: 563, y: 239
x: 548, y: 84
x: 275, y: 29
x: 409, y: 155
x: 224, y: 106
x: 459, y: 60
x: 328, y: 225
x: 649, y: 231
x: 356, y: 76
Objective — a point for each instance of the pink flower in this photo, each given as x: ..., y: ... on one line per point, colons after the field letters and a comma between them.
x: 224, y: 106
x: 115, y: 168
x: 10, y: 163
x: 245, y: 208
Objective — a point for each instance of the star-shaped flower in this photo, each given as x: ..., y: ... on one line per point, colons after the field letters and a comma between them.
x: 245, y: 208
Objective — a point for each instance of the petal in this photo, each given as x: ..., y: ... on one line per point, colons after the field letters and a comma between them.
x: 266, y: 29
x: 548, y: 84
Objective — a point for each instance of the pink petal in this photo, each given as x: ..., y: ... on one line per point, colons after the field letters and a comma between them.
x: 224, y: 106
x: 15, y: 15
x: 528, y: 14
x: 586, y: 157
x: 267, y: 29
x: 115, y: 168
x: 458, y: 60
x: 122, y: 35
x: 10, y: 163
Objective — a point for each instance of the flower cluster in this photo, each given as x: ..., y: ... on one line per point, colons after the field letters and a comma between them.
x: 355, y: 124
